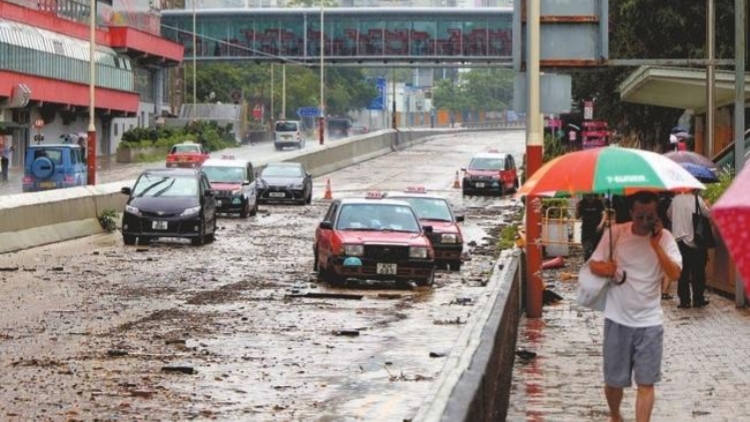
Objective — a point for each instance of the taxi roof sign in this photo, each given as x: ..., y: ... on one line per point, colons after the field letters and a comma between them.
x: 493, y: 151
x: 374, y: 195
x: 416, y: 189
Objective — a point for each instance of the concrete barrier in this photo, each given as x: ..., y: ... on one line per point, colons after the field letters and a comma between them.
x: 474, y: 385
x: 39, y: 218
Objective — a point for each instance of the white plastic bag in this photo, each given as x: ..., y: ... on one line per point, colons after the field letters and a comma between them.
x: 592, y: 289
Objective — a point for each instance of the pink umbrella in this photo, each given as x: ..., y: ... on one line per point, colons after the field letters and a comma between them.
x: 731, y: 213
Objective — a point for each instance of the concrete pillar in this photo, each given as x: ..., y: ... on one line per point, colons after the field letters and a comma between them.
x: 159, y: 78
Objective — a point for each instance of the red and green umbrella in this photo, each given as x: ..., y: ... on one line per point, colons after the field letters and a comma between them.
x: 731, y: 214
x: 609, y: 170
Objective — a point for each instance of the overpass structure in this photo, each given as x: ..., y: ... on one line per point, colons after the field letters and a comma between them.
x: 350, y: 35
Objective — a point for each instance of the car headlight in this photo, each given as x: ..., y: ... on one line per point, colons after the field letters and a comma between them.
x: 354, y: 250
x: 449, y: 238
x: 132, y: 210
x: 295, y: 186
x: 191, y: 211
x: 417, y: 252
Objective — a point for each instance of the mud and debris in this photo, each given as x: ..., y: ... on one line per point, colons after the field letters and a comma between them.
x: 240, y: 329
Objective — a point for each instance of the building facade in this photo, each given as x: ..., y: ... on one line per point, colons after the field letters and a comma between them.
x: 44, y: 71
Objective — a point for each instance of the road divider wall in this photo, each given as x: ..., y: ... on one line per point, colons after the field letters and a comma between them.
x: 474, y: 385
x: 39, y: 218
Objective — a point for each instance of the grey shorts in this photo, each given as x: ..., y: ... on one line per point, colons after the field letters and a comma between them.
x: 629, y: 350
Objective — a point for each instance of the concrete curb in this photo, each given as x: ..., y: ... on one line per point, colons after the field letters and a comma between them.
x: 472, y: 384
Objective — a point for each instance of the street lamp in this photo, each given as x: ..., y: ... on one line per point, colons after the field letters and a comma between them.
x: 91, y: 158
x: 195, y: 53
x: 321, y: 121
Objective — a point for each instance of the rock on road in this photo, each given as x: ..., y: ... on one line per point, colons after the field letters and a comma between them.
x: 93, y: 330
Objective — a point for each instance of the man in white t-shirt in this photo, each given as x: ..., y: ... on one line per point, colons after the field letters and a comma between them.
x: 643, y: 253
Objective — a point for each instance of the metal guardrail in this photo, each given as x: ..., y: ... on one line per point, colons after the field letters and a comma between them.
x: 494, y: 125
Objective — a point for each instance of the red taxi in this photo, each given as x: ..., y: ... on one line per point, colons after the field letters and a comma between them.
x: 490, y: 172
x: 187, y: 154
x: 373, y: 238
x: 435, y: 211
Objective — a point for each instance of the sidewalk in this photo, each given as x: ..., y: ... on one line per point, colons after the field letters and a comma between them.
x: 705, y: 370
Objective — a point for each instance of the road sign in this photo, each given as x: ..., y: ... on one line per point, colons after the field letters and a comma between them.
x: 308, y: 112
x: 38, y: 123
x: 39, y: 138
x: 557, y: 89
x: 588, y: 110
x: 378, y: 103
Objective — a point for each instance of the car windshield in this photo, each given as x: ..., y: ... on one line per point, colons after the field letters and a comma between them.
x: 377, y: 217
x: 286, y: 127
x: 282, y: 171
x: 220, y: 174
x: 185, y: 149
x: 155, y: 185
x: 55, y: 155
x: 487, y: 163
x: 430, y: 208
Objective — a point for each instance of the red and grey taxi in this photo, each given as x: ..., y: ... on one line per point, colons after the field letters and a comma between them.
x: 234, y: 182
x: 490, y: 172
x: 187, y: 155
x: 373, y: 238
x: 436, y: 211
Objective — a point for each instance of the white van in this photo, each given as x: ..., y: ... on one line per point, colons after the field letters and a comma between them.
x: 288, y: 133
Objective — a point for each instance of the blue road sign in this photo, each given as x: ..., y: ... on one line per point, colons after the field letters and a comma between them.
x: 308, y: 112
x: 378, y: 103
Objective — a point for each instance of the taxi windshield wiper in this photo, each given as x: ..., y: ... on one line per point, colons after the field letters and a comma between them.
x: 361, y: 229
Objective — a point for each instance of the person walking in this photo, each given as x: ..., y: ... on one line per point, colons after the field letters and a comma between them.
x: 642, y: 253
x: 693, y: 275
x: 5, y: 151
x: 590, y: 210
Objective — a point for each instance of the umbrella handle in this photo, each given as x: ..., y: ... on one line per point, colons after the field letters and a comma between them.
x: 621, y: 281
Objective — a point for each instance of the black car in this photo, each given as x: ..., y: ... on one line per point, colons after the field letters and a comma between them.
x: 287, y: 182
x: 169, y: 203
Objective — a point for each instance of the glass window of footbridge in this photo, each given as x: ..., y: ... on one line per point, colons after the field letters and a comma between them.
x: 347, y: 33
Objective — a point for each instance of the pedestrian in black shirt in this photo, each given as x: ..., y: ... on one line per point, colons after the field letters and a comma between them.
x: 590, y: 210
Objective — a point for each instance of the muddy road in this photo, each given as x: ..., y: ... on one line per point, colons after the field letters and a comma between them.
x: 93, y: 330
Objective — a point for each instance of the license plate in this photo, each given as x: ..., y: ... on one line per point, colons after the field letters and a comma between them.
x: 277, y: 194
x: 159, y: 225
x: 47, y: 184
x: 387, y: 269
x: 480, y: 185
x: 287, y: 137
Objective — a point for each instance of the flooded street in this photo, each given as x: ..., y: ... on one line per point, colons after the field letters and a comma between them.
x: 240, y: 330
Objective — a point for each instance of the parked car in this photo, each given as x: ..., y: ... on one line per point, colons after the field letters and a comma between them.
x: 433, y: 210
x: 169, y: 203
x: 373, y: 238
x: 359, y: 129
x: 53, y: 166
x: 234, y: 183
x: 187, y: 154
x: 339, y: 127
x: 285, y: 182
x: 288, y: 133
x: 490, y: 172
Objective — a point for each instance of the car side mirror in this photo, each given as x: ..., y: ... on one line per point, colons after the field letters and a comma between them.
x: 245, y: 182
x: 460, y: 218
x: 208, y: 193
x: 126, y: 190
x: 326, y: 225
x: 427, y: 229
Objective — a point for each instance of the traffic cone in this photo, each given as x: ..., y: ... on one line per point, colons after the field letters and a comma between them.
x: 328, y: 194
x: 456, y: 183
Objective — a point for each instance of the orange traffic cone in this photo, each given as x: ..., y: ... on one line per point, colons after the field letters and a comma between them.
x: 328, y: 194
x: 456, y: 183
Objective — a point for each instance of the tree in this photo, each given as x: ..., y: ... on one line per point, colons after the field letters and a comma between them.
x: 449, y: 96
x: 475, y: 90
x: 650, y: 29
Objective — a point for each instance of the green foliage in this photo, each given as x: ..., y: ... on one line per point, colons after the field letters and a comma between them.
x: 479, y: 89
x: 209, y: 133
x: 508, y: 236
x: 108, y: 220
x: 714, y: 190
x: 553, y: 147
x: 651, y: 29
x: 557, y: 207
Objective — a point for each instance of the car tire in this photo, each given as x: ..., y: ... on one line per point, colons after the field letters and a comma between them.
x: 245, y: 210
x: 144, y: 240
x: 308, y: 200
x: 429, y: 281
x: 201, y: 238
x: 128, y: 239
x: 278, y: 148
x: 515, y: 185
x: 455, y: 265
x: 464, y: 192
x: 254, y: 210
